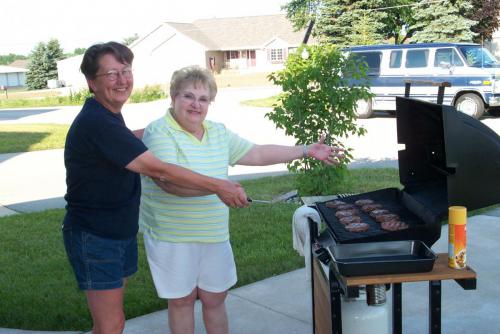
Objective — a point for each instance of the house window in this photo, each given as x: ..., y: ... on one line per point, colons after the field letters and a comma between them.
x: 276, y: 54
x: 232, y: 55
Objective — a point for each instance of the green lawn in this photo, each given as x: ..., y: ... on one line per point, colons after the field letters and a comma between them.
x: 39, y: 292
x: 267, y: 102
x: 31, y: 137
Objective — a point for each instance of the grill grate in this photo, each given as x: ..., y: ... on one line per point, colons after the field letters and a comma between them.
x: 390, y: 199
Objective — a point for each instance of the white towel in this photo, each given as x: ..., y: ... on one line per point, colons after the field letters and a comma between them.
x: 301, y: 236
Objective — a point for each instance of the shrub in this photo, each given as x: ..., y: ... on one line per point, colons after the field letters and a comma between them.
x: 148, y: 93
x: 317, y: 98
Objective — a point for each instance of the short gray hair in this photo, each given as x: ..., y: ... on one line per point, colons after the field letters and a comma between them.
x: 194, y: 75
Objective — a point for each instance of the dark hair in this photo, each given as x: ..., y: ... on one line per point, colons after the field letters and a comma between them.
x: 90, y: 62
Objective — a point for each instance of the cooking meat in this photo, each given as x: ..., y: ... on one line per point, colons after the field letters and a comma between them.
x: 346, y: 207
x: 361, y: 202
x: 387, y: 217
x: 357, y: 227
x: 378, y: 212
x: 345, y: 213
x: 370, y: 207
x: 393, y: 225
x: 334, y: 204
x: 349, y: 220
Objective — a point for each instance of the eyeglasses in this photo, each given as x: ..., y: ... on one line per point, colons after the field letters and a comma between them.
x: 112, y: 75
x: 190, y: 99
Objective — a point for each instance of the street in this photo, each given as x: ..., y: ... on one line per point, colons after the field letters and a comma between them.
x: 27, y: 179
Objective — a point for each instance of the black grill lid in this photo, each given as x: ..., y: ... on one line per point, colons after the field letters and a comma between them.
x: 449, y: 158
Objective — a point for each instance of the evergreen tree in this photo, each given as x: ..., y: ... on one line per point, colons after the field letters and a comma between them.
x: 443, y: 21
x: 35, y: 78
x: 339, y: 21
x: 53, y: 54
x: 43, y: 64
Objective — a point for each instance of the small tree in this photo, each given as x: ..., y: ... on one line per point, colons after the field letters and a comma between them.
x: 319, y: 97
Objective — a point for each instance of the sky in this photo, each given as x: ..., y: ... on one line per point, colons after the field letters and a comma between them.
x: 78, y: 23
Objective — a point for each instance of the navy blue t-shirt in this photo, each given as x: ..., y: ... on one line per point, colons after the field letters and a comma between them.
x: 102, y: 195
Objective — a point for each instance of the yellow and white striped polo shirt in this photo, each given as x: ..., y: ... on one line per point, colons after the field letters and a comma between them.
x: 172, y: 218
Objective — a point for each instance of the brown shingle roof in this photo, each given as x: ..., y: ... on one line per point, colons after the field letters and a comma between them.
x: 22, y: 63
x: 240, y: 32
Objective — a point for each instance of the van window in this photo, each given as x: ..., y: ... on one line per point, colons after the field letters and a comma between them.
x: 416, y: 58
x: 372, y: 59
x: 447, y: 56
x: 395, y: 59
x: 478, y: 56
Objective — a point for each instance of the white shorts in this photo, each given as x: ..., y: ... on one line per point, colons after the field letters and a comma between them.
x: 178, y: 268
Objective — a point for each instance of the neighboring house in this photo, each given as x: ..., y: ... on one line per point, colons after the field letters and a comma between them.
x: 243, y: 44
x: 12, y: 76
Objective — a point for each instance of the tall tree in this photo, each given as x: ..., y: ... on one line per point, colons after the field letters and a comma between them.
x: 443, y: 21
x: 43, y: 64
x: 485, y: 13
x: 339, y: 20
x: 53, y: 53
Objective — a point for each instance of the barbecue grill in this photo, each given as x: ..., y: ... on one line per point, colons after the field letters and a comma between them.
x: 449, y: 159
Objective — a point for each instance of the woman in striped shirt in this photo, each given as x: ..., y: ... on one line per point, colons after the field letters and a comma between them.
x: 186, y: 231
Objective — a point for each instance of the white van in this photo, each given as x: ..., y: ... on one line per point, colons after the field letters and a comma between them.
x: 472, y: 71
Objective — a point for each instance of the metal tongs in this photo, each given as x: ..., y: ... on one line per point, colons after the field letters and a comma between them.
x: 251, y: 200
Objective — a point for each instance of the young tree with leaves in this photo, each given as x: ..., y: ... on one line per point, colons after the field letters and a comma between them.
x: 318, y: 98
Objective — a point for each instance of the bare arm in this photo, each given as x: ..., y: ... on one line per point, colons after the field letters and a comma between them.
x: 232, y: 194
x: 262, y: 155
x: 180, y: 191
x: 138, y: 133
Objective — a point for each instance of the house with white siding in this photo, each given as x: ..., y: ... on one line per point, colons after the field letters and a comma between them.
x: 243, y: 44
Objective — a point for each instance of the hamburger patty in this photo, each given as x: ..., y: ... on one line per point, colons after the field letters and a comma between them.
x: 357, y: 227
x: 334, y: 204
x: 393, y: 225
x: 386, y: 218
x: 349, y: 220
x: 345, y: 213
x: 361, y: 202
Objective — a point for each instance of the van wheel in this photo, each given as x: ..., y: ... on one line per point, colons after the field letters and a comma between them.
x: 364, y: 109
x: 495, y: 112
x: 470, y: 104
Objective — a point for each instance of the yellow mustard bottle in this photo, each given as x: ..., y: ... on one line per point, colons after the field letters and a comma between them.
x: 457, y: 237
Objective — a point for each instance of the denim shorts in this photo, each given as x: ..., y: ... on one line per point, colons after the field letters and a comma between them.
x: 99, y: 263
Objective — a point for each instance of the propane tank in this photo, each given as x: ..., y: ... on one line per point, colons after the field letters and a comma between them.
x: 371, y: 312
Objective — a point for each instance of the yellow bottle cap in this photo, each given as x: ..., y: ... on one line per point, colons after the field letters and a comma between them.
x: 457, y: 215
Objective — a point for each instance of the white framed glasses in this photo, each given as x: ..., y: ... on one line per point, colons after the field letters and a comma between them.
x: 191, y: 98
x: 113, y: 75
